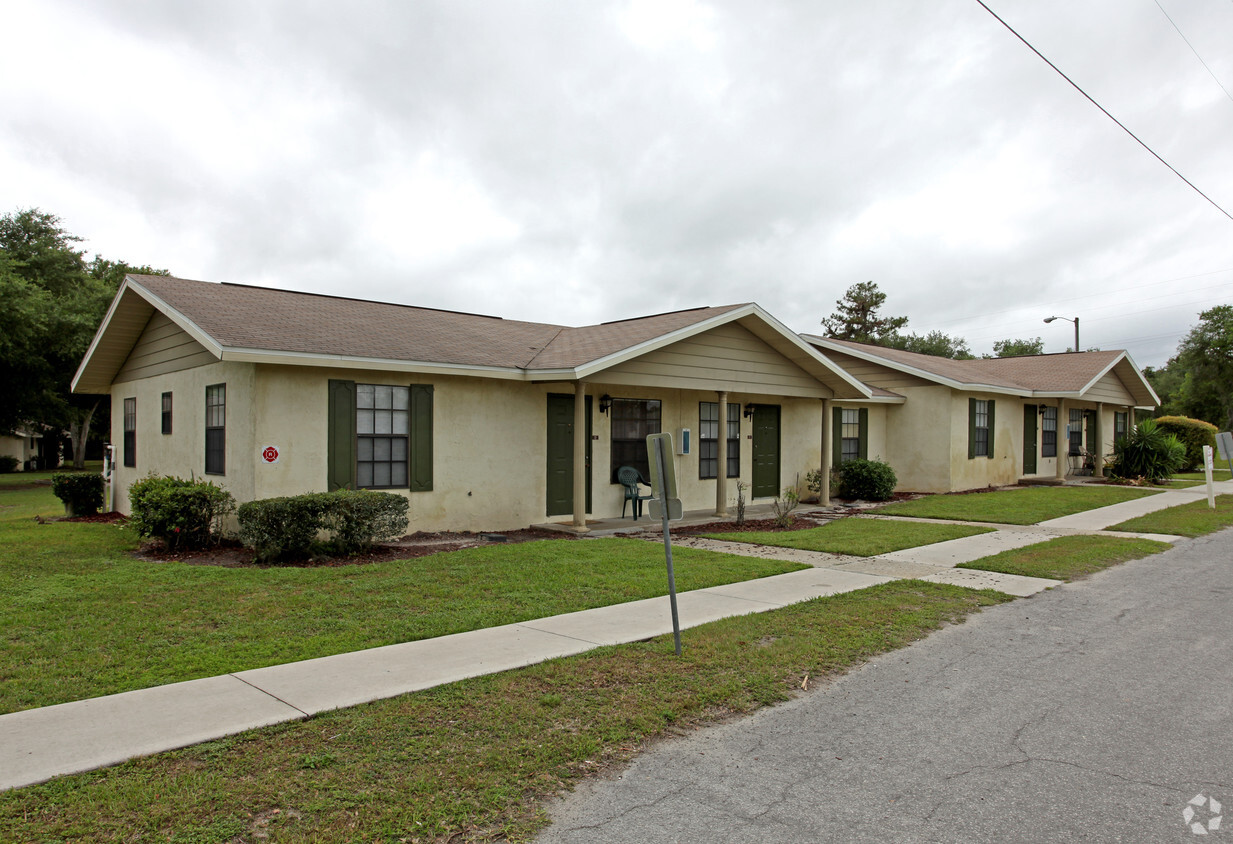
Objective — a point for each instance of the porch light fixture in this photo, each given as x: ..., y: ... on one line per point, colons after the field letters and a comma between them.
x: 1075, y: 320
x: 605, y: 403
x: 749, y: 410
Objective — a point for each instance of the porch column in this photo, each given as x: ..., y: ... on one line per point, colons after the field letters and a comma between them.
x: 824, y: 496
x: 1063, y: 440
x: 721, y: 470
x: 580, y: 457
x: 1098, y: 459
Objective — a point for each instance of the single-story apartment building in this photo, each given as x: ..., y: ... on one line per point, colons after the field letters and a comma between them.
x: 946, y: 425
x: 483, y: 423
x: 23, y: 446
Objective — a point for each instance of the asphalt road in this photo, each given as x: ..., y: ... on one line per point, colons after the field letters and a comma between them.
x: 1092, y: 712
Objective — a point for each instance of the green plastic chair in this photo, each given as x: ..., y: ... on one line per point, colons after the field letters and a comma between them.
x: 630, y: 478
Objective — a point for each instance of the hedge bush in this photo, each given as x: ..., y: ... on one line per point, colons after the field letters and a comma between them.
x: 81, y: 492
x: 1193, y: 433
x: 869, y: 480
x: 291, y: 527
x: 8, y: 463
x: 1147, y: 452
x: 184, y: 514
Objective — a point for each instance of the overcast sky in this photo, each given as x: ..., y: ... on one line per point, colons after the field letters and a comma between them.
x: 576, y: 162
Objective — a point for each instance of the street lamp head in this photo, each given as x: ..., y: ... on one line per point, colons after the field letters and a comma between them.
x: 1050, y: 319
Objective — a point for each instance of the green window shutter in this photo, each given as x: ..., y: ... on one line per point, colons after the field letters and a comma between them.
x: 340, y: 451
x: 990, y: 405
x: 420, y: 470
x: 836, y: 436
x: 864, y: 433
x: 971, y: 428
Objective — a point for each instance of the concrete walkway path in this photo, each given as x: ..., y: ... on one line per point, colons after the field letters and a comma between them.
x: 38, y: 744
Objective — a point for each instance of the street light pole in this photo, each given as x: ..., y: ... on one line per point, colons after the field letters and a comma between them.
x: 1075, y: 320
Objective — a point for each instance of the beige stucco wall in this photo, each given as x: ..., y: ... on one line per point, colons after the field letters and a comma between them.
x: 489, y: 440
x: 1003, y: 468
x: 182, y: 452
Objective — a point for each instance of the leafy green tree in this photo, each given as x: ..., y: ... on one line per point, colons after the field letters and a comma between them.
x: 934, y: 343
x: 1205, y: 356
x: 856, y: 316
x: 53, y: 301
x: 1018, y: 348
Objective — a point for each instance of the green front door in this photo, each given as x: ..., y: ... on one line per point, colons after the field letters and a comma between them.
x: 1029, y: 439
x: 765, y: 451
x: 561, y: 454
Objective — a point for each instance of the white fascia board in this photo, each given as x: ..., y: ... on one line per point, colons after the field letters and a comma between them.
x: 191, y: 328
x: 797, y: 341
x: 271, y: 356
x: 593, y: 367
x: 964, y: 386
x: 98, y: 335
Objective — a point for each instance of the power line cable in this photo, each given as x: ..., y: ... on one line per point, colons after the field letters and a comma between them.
x: 1196, y: 52
x: 1103, y: 109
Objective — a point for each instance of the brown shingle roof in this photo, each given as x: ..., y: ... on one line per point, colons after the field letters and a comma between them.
x: 242, y: 317
x: 1062, y: 373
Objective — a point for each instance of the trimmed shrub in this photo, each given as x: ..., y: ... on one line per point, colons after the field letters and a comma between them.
x: 870, y: 480
x: 8, y: 463
x: 1193, y: 433
x: 81, y: 492
x: 291, y: 528
x: 1148, y: 452
x: 358, y: 518
x: 282, y: 528
x: 184, y: 514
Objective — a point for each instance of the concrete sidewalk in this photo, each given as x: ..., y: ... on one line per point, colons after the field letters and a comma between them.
x: 38, y: 744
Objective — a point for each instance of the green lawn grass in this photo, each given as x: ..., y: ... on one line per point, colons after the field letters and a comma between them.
x: 858, y: 537
x: 1068, y: 557
x: 474, y: 760
x: 1193, y: 519
x: 1217, y: 475
x: 1021, y: 506
x: 81, y: 617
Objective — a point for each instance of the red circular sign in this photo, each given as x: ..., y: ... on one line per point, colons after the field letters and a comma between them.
x: 270, y: 454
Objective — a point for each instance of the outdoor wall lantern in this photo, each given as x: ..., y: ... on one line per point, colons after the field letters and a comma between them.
x: 605, y: 403
x: 749, y: 410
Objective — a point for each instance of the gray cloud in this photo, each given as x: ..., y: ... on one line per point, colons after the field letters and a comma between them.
x: 576, y: 162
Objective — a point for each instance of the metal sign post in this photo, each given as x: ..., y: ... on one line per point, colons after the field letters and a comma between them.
x: 1207, y: 470
x: 663, y: 486
x: 1225, y: 440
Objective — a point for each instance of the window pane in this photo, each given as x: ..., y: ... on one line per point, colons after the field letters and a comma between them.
x: 380, y: 474
x: 398, y: 423
x: 402, y: 398
x: 398, y: 449
x: 382, y: 422
x: 363, y: 422
x: 363, y: 475
x: 398, y: 474
x: 364, y: 395
x: 364, y: 448
x: 383, y: 398
x: 380, y: 448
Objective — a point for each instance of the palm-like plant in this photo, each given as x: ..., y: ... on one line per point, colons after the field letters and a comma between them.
x: 1148, y: 452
